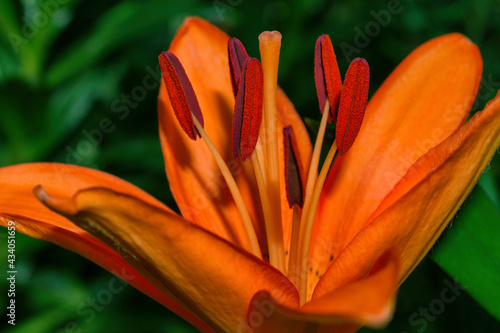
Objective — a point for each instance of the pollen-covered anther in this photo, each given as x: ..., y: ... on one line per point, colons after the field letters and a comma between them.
x: 248, y: 109
x: 327, y: 76
x: 236, y: 56
x: 295, y: 187
x: 181, y: 93
x: 352, y: 105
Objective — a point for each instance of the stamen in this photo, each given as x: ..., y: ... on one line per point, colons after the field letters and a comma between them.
x: 246, y: 125
x: 181, y: 93
x: 293, y: 269
x: 237, y: 56
x: 293, y: 170
x: 248, y: 110
x: 352, y: 107
x: 188, y: 112
x: 295, y: 194
x: 352, y: 104
x: 269, y: 45
x: 327, y: 76
x: 313, y: 165
x: 307, y: 223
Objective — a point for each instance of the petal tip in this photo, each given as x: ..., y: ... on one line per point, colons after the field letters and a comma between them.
x: 381, y: 319
x: 40, y: 193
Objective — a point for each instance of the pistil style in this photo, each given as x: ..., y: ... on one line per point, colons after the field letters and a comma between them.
x: 269, y: 45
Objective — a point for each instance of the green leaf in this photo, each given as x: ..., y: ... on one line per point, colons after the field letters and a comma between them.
x: 71, y: 103
x: 46, y: 321
x: 8, y: 22
x: 488, y: 183
x: 124, y: 23
x: 470, y: 250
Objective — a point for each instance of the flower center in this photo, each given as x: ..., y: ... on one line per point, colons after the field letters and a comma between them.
x: 255, y: 91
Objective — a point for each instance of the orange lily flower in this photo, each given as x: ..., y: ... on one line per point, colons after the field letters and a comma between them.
x: 382, y: 207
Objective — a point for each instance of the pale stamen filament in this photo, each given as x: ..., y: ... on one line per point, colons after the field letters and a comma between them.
x: 294, y: 243
x: 307, y: 222
x: 313, y: 167
x: 260, y: 156
x: 266, y: 210
x: 250, y: 243
x: 299, y: 264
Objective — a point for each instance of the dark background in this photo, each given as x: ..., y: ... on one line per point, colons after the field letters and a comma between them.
x: 59, y: 80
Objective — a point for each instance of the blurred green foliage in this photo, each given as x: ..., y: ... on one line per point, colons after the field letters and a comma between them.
x: 65, y: 65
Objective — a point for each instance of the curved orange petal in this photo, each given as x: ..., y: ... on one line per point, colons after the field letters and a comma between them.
x: 195, y: 181
x: 213, y: 277
x: 425, y: 99
x: 18, y: 203
x: 365, y: 302
x: 416, y: 212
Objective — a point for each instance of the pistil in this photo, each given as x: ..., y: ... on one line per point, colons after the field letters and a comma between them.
x: 269, y: 45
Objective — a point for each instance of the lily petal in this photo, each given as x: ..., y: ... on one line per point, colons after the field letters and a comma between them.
x: 213, y: 277
x: 416, y: 212
x: 425, y: 99
x: 18, y: 203
x: 195, y: 181
x: 368, y: 301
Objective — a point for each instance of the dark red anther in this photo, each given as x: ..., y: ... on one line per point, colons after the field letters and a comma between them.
x: 327, y: 76
x: 237, y: 56
x: 181, y: 93
x: 352, y: 104
x: 295, y: 187
x: 248, y: 109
